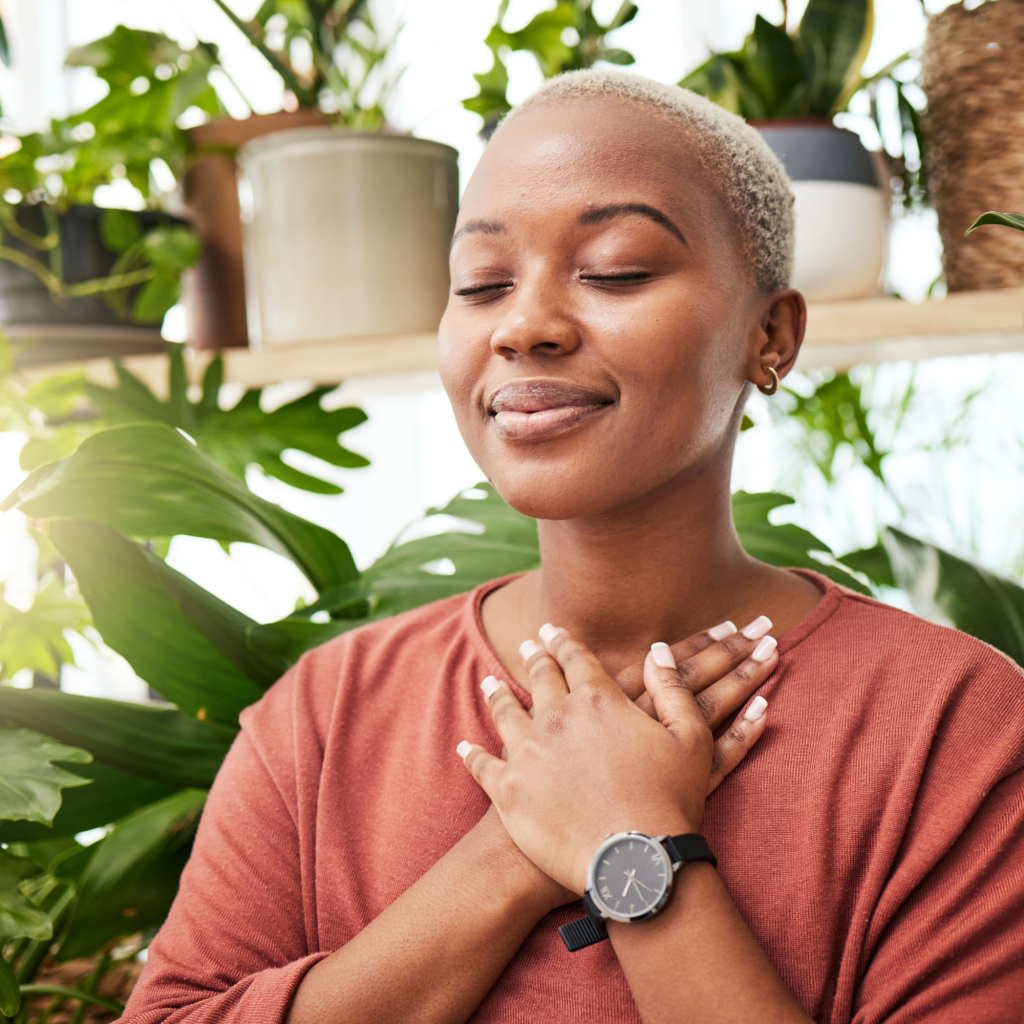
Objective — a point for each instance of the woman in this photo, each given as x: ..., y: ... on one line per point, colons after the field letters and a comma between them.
x: 619, y: 283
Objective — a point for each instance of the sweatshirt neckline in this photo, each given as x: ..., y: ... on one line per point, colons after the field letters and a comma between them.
x: 832, y: 596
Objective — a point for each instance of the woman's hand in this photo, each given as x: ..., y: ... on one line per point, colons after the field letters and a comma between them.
x: 590, y: 762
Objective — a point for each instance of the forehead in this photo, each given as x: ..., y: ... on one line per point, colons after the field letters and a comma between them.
x: 588, y: 151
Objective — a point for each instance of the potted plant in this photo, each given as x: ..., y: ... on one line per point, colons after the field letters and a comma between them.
x: 77, y: 279
x: 346, y: 230
x: 971, y: 75
x: 790, y: 87
x: 567, y: 38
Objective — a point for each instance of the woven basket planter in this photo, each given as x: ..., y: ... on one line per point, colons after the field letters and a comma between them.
x: 973, y: 71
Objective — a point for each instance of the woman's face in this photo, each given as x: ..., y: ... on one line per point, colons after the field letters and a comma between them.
x: 598, y: 335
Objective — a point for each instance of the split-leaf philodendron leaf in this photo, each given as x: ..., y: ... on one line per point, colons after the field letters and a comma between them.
x: 30, y: 784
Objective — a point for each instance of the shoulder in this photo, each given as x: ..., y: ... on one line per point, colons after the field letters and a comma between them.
x: 368, y: 657
x: 917, y: 647
x: 901, y: 667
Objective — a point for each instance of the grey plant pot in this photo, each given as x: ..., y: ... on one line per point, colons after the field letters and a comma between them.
x: 842, y: 209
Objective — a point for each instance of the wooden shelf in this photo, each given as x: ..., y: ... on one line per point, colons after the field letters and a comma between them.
x: 839, y: 334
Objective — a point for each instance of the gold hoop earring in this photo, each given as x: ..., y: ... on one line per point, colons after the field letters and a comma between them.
x: 769, y: 389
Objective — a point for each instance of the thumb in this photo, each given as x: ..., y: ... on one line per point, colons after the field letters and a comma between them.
x: 674, y: 702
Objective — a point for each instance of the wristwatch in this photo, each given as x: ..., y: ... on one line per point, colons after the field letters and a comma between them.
x: 630, y: 879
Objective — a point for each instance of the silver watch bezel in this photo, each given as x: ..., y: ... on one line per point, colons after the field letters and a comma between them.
x: 657, y: 842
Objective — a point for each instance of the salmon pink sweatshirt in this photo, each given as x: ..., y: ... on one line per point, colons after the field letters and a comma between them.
x: 873, y: 840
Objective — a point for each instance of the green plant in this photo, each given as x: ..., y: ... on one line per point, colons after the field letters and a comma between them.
x: 566, y: 38
x: 329, y: 54
x: 814, y: 73
x: 131, y: 134
x: 1010, y: 220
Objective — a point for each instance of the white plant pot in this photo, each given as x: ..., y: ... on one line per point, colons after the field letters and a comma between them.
x: 841, y: 212
x: 346, y: 234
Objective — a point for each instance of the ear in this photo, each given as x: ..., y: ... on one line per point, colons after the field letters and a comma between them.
x: 776, y: 340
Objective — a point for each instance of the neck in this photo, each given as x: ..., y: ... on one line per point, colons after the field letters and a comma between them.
x: 661, y: 568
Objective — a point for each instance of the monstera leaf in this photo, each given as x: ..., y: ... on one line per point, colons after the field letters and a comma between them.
x: 19, y: 916
x: 30, y: 784
x: 34, y: 639
x: 243, y: 435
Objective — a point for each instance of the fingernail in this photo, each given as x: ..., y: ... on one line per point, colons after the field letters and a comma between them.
x: 757, y: 628
x: 528, y: 648
x: 547, y: 632
x: 490, y: 685
x: 755, y: 712
x: 463, y: 749
x: 721, y: 632
x: 763, y: 651
x: 661, y: 655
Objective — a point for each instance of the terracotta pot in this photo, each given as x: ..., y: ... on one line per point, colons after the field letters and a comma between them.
x: 215, y: 288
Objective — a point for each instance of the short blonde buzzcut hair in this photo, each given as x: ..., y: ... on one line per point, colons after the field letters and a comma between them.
x: 747, y: 174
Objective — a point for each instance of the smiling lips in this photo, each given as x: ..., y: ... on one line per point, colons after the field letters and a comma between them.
x: 537, y: 409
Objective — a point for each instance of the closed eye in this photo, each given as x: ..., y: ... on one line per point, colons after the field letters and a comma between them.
x: 632, y: 278
x: 481, y: 289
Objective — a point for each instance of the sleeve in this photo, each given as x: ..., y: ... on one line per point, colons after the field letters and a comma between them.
x: 235, y: 945
x: 954, y: 952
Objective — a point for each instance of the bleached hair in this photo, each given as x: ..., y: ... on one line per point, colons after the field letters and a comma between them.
x: 747, y: 174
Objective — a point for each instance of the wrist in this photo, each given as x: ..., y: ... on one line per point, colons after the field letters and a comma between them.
x: 524, y: 886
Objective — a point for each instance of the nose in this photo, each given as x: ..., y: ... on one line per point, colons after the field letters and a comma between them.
x: 536, y: 323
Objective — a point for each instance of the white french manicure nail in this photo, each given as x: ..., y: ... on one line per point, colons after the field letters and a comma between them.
x: 757, y: 628
x: 764, y: 650
x: 547, y: 632
x: 755, y: 712
x: 528, y: 648
x: 490, y: 685
x: 727, y: 628
x: 463, y: 749
x: 661, y: 655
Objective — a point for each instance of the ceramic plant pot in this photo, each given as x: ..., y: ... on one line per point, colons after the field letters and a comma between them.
x: 45, y: 330
x: 346, y: 234
x: 215, y: 288
x: 842, y: 210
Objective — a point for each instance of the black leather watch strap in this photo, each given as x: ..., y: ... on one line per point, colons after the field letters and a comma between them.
x: 687, y: 847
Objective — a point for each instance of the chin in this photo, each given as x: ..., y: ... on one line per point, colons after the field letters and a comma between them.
x: 552, y: 493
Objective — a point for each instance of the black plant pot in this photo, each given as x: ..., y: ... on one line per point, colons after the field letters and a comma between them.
x: 46, y: 330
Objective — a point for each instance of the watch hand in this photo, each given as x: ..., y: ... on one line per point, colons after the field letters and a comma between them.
x: 647, y: 887
x: 629, y: 881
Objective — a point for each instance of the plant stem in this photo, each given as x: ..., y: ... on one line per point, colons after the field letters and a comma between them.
x: 286, y: 73
x: 102, y: 965
x: 88, y: 998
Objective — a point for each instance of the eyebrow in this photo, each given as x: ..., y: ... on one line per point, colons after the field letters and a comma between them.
x: 603, y: 213
x: 483, y: 227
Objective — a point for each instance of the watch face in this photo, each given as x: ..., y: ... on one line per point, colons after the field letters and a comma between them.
x: 630, y: 877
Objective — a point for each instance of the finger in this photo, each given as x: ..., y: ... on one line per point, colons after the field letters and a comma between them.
x: 631, y: 679
x: 484, y: 767
x: 580, y: 666
x: 547, y: 683
x: 509, y: 716
x: 708, y: 666
x: 674, y: 703
x: 737, y: 741
x: 719, y: 700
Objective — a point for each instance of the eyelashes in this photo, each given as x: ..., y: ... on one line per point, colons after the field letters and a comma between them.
x: 635, y: 277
